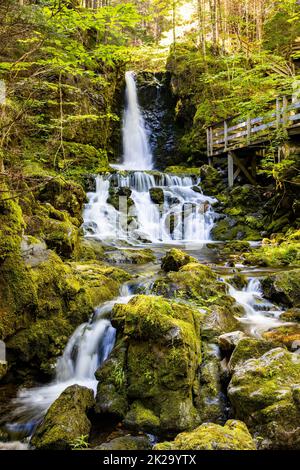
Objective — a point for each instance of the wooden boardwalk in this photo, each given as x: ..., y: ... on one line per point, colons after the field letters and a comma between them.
x: 232, y: 135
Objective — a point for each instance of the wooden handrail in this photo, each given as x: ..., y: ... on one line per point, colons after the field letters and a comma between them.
x: 227, y: 135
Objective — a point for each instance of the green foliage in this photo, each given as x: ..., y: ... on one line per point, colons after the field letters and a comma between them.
x: 80, y: 443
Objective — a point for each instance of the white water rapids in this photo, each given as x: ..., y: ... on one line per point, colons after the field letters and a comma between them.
x: 259, y: 314
x: 184, y: 216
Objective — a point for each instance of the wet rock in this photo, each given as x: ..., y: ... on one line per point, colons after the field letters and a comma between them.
x: 174, y: 259
x: 264, y: 392
x: 210, y: 400
x: 112, y: 384
x: 287, y: 335
x: 291, y: 315
x: 126, y: 443
x: 65, y: 421
x: 157, y: 195
x: 228, y: 341
x: 162, y: 351
x: 127, y: 256
x: 283, y: 288
x: 234, y: 435
x: 239, y: 281
x: 33, y: 251
x: 249, y: 348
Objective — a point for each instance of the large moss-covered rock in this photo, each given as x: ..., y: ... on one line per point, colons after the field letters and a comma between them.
x: 233, y: 436
x: 264, y: 392
x: 283, y: 288
x: 174, y: 259
x: 160, y: 373
x: 65, y: 421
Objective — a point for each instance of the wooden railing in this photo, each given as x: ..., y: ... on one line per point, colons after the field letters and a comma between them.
x: 231, y: 135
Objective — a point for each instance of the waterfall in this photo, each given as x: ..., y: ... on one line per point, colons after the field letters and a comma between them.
x: 136, y: 150
x: 260, y: 314
x: 88, y: 347
x: 184, y: 216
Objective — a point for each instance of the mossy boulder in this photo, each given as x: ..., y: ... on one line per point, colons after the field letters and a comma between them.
x: 264, y: 392
x: 162, y: 350
x: 234, y: 435
x: 157, y: 195
x: 174, y: 259
x: 283, y: 288
x: 286, y: 335
x: 63, y: 195
x: 228, y: 341
x: 193, y: 281
x: 90, y: 250
x: 65, y: 421
x: 249, y: 348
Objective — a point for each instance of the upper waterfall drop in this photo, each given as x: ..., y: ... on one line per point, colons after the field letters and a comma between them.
x: 136, y: 150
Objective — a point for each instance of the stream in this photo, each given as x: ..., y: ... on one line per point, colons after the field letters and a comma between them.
x: 184, y: 219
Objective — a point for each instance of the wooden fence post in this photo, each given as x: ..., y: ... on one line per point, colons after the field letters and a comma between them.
x: 248, y: 130
x: 225, y: 135
x: 230, y: 170
x: 284, y: 111
x: 278, y: 112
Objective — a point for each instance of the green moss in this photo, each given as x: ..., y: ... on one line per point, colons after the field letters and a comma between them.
x: 162, y: 344
x: 288, y: 335
x: 283, y: 287
x: 157, y: 195
x: 182, y: 170
x: 11, y: 223
x: 233, y: 436
x: 193, y: 281
x: 141, y: 418
x: 174, y: 259
x: 248, y: 348
x: 262, y: 392
x: 65, y: 421
x: 273, y: 254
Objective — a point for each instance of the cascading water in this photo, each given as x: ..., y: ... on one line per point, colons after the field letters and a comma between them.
x: 184, y: 216
x: 260, y: 314
x: 136, y: 149
x: 87, y: 349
